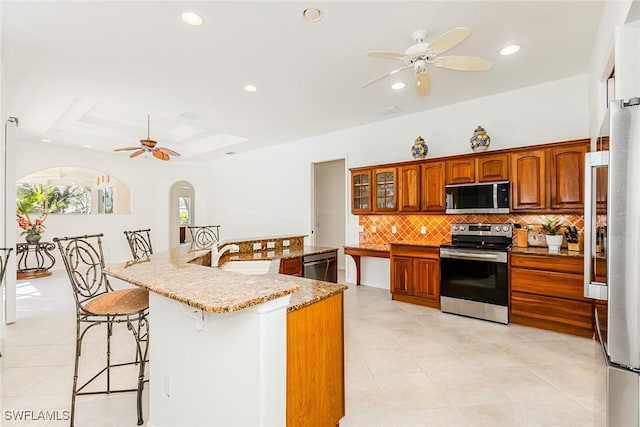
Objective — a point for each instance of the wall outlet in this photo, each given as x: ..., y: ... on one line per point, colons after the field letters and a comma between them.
x: 423, y: 230
x: 271, y: 245
x: 285, y: 243
x: 394, y: 230
x: 257, y: 246
x: 374, y: 229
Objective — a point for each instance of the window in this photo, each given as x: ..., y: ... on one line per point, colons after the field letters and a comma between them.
x: 184, y: 208
x: 56, y: 199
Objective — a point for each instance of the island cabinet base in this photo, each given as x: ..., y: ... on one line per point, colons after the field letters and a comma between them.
x: 222, y: 369
x: 315, y: 364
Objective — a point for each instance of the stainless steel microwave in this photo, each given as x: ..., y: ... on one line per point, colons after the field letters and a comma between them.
x: 493, y: 197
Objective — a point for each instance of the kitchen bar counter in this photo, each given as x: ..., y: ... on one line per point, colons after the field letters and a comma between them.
x: 357, y: 251
x: 178, y: 276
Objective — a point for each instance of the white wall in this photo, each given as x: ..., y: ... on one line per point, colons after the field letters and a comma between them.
x: 268, y: 191
x: 149, y: 181
x: 330, y: 206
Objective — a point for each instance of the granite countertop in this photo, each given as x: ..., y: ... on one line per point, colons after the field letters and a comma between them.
x: 532, y: 250
x: 171, y: 274
x: 276, y: 253
x: 369, y: 247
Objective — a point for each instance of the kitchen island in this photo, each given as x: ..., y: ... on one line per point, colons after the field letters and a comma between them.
x: 233, y: 349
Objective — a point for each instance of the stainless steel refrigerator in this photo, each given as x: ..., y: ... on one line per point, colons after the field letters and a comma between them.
x: 612, y: 255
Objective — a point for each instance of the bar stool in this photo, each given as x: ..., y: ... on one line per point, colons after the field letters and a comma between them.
x: 4, y: 258
x: 204, y: 236
x: 96, y: 304
x: 139, y: 243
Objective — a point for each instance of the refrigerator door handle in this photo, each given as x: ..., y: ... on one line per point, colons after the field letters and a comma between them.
x: 592, y: 161
x: 603, y: 345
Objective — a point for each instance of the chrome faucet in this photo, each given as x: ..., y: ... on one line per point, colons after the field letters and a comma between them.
x: 216, y: 253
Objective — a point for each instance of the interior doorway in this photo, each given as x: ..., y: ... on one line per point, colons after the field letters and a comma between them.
x: 181, y: 212
x: 329, y: 214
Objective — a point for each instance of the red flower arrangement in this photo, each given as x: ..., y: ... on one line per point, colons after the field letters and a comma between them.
x: 30, y: 228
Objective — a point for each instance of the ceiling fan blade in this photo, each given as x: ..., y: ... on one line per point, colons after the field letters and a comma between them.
x: 136, y: 153
x: 127, y: 148
x: 390, y: 73
x: 423, y: 83
x: 387, y: 54
x: 169, y: 152
x: 463, y: 63
x: 449, y: 39
x: 160, y: 155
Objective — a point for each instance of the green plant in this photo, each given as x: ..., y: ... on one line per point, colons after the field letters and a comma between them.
x: 551, y: 226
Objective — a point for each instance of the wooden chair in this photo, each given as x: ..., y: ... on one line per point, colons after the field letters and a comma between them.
x: 204, y: 236
x: 98, y: 304
x: 139, y: 243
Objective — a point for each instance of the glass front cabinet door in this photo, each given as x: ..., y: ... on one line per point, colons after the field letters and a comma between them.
x: 361, y: 191
x: 384, y: 196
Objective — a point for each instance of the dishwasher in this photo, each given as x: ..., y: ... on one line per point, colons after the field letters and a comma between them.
x: 321, y: 267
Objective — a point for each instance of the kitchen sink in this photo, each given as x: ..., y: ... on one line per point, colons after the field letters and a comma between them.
x: 247, y: 267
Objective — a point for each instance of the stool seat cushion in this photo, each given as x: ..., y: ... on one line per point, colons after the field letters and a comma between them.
x: 123, y: 301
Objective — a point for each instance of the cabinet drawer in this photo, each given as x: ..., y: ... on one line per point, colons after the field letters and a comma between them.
x: 552, y: 313
x: 415, y: 251
x: 565, y: 264
x: 549, y: 283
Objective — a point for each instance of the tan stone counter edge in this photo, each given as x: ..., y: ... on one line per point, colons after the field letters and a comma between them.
x: 533, y: 250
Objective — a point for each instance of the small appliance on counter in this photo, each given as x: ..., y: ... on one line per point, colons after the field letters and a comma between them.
x: 474, y: 278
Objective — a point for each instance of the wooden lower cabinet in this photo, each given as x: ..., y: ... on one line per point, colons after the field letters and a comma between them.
x: 415, y: 274
x: 315, y: 364
x: 547, y: 292
x: 291, y: 266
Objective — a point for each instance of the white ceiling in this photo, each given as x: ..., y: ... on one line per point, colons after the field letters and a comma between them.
x: 87, y: 73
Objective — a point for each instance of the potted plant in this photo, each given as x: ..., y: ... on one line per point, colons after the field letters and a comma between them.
x: 552, y: 227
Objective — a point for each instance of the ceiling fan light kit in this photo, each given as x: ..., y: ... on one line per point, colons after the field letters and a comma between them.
x: 419, y: 55
x: 149, y: 146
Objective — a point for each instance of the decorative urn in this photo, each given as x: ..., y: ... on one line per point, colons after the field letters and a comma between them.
x: 419, y: 150
x: 480, y: 140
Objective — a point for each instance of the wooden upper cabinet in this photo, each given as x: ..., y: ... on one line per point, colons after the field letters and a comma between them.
x: 461, y: 171
x: 360, y: 191
x: 432, y: 187
x: 409, y: 188
x: 492, y: 167
x: 566, y: 176
x: 528, y: 173
x: 384, y: 190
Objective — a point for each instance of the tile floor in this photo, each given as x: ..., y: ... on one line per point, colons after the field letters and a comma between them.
x: 406, y: 365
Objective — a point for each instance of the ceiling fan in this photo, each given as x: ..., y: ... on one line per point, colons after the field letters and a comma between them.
x: 149, y: 146
x: 420, y: 54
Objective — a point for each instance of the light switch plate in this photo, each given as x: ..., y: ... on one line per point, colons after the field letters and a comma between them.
x: 374, y: 229
x: 394, y: 230
x: 257, y: 246
x: 423, y: 230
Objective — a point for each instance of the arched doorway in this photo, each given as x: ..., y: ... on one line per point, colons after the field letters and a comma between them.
x: 181, y: 212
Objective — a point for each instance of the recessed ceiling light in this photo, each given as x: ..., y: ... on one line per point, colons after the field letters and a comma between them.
x: 510, y: 50
x: 192, y: 18
x: 45, y: 140
x: 250, y: 88
x: 398, y: 85
x: 86, y: 146
x: 312, y: 14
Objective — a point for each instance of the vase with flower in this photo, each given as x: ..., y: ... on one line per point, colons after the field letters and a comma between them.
x: 553, y: 238
x: 32, y: 229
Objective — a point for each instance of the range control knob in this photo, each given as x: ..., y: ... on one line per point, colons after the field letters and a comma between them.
x: 497, y: 228
x: 455, y: 228
x: 505, y: 228
x: 462, y: 228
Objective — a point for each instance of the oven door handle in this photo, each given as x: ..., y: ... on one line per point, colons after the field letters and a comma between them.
x: 501, y: 257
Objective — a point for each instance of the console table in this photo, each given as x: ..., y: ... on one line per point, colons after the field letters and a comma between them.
x: 34, y: 260
x: 355, y: 252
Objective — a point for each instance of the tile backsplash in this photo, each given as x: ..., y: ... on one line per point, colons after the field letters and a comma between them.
x: 438, y: 227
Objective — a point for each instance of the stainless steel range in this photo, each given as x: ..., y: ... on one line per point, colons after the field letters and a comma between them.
x: 474, y: 275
